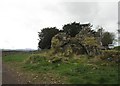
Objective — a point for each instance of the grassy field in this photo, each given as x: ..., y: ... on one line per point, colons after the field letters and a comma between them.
x: 82, y: 71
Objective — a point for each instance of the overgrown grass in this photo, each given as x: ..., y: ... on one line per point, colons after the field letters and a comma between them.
x: 79, y: 71
x: 76, y: 71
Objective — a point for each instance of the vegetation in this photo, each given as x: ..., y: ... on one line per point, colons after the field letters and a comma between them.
x: 45, y: 37
x: 111, y: 55
x: 75, y: 71
x: 15, y: 57
x: 73, y: 55
x: 117, y: 48
x: 72, y: 30
x: 107, y: 38
x: 76, y: 54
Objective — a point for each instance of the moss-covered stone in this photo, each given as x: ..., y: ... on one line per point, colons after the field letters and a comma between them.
x: 83, y: 43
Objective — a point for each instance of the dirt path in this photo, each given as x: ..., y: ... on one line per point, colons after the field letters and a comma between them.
x: 9, y: 76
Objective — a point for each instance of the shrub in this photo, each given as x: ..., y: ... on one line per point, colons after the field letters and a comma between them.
x: 90, y: 41
x: 68, y: 51
x: 102, y: 80
x: 111, y: 55
x: 35, y: 59
x: 117, y: 48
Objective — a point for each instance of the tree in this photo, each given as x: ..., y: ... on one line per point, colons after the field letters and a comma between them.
x: 45, y: 37
x: 107, y: 38
x: 72, y: 29
x: 99, y: 33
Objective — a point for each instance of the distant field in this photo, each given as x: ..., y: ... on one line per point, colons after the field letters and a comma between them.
x: 83, y: 71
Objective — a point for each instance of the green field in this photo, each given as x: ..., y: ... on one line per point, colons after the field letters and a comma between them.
x: 82, y: 71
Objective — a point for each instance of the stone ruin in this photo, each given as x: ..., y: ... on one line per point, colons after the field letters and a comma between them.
x: 83, y: 43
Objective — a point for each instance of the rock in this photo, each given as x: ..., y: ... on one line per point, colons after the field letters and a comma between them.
x: 29, y: 82
x: 83, y: 43
x: 35, y: 78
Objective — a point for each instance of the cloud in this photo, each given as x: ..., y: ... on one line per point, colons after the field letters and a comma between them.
x: 20, y: 20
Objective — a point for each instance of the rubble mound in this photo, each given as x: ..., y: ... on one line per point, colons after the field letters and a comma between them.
x: 82, y: 43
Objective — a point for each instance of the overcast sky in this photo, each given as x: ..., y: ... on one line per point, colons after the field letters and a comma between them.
x: 21, y: 20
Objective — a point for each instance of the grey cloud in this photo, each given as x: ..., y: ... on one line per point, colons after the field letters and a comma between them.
x: 103, y: 14
x: 78, y: 8
x: 81, y: 10
x: 119, y: 14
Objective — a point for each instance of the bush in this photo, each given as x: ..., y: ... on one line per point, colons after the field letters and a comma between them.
x: 117, y: 48
x: 56, y: 60
x: 102, y: 80
x: 111, y: 55
x: 35, y: 59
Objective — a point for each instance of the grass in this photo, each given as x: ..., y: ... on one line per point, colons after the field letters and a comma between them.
x: 17, y: 57
x: 82, y: 71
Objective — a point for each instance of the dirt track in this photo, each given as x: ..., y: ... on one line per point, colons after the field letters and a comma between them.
x: 9, y: 76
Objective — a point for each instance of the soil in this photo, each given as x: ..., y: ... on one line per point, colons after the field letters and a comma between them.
x: 9, y: 76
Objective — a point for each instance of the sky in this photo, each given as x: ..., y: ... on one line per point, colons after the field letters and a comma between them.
x: 21, y: 20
